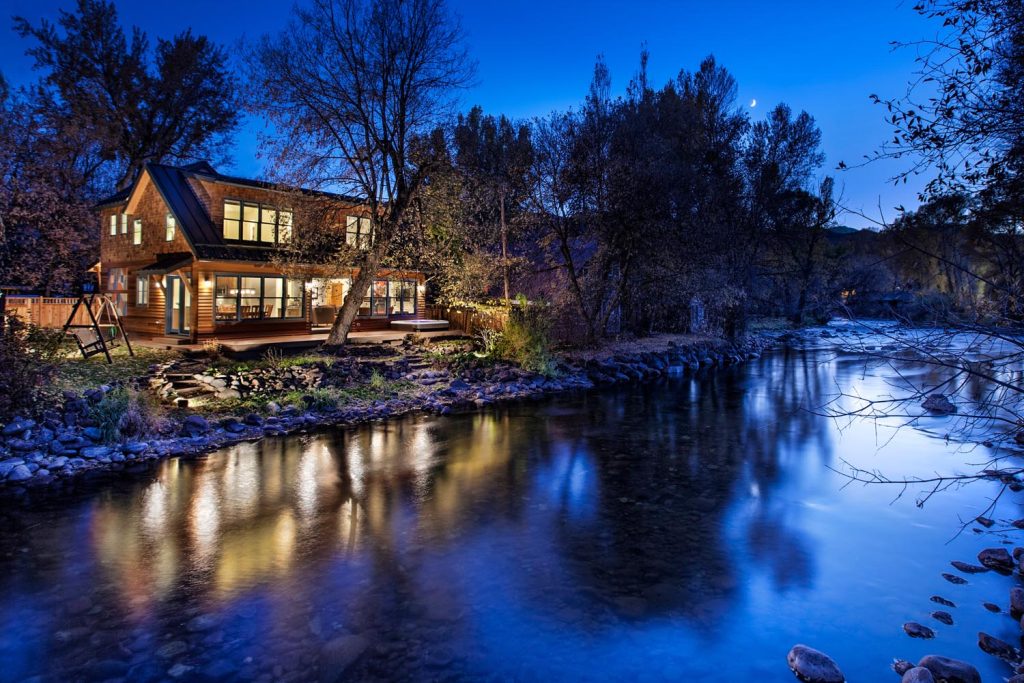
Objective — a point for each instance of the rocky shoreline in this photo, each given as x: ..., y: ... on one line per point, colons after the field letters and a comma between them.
x: 63, y: 441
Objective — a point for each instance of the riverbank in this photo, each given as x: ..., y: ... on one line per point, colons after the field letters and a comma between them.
x: 110, y: 427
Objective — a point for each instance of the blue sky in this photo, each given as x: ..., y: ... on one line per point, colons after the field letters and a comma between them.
x: 533, y: 57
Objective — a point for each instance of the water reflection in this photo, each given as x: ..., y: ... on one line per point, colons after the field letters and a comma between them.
x: 583, y: 538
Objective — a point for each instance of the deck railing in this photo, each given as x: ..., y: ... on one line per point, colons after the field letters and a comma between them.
x: 45, y: 311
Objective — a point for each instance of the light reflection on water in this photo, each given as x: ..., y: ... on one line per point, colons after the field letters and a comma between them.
x: 693, y: 530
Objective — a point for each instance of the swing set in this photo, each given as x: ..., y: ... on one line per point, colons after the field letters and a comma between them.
x: 104, y: 331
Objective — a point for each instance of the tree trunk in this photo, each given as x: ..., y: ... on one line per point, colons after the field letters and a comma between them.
x: 504, y: 248
x: 350, y: 307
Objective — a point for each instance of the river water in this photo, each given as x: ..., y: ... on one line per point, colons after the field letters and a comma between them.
x: 692, y: 530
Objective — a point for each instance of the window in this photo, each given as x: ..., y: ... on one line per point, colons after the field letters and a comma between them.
x: 169, y: 227
x: 358, y: 232
x: 116, y: 286
x: 142, y: 290
x: 245, y: 297
x: 124, y: 224
x: 254, y: 222
x: 137, y: 231
x: 113, y: 224
x: 388, y: 298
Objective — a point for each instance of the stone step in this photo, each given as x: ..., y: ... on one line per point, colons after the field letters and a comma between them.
x: 187, y: 392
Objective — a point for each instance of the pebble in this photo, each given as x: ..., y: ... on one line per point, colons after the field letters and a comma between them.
x: 916, y: 630
x: 811, y: 666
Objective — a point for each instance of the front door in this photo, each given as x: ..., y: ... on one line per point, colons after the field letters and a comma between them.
x: 179, y: 306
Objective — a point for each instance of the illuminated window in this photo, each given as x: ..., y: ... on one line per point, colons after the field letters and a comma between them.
x: 113, y: 224
x: 142, y: 291
x: 358, y: 232
x: 169, y: 227
x: 242, y: 297
x: 254, y: 222
x: 137, y: 231
x: 124, y: 224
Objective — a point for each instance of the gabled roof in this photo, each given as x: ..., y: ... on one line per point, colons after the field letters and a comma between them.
x: 199, y: 230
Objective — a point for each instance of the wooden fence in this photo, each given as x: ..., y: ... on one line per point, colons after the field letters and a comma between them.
x: 42, y: 311
x: 469, y: 320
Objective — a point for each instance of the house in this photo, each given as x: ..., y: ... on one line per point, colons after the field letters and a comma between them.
x: 186, y: 255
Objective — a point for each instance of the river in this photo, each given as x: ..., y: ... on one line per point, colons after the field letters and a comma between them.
x: 691, y: 530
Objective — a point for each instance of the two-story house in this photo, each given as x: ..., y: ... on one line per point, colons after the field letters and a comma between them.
x: 187, y: 254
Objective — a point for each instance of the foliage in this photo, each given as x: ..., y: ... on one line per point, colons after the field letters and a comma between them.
x: 23, y: 372
x: 124, y: 413
x: 126, y: 102
x: 213, y: 349
x: 354, y: 90
x: 525, y: 338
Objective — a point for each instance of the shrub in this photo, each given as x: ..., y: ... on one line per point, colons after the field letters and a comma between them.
x: 24, y: 370
x: 377, y: 381
x: 213, y: 349
x: 124, y: 413
x: 525, y: 339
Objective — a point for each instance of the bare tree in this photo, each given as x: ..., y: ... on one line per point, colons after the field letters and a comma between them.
x: 353, y: 90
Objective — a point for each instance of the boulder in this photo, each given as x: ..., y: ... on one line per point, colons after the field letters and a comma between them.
x: 195, y: 425
x: 950, y: 670
x: 968, y: 568
x: 938, y: 403
x: 918, y: 674
x: 19, y: 473
x: 916, y: 630
x: 996, y: 647
x: 996, y: 558
x: 1017, y: 601
x: 253, y: 419
x: 811, y: 666
x: 944, y: 617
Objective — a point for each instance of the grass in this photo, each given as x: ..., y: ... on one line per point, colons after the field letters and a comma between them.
x: 78, y: 374
x: 323, y: 398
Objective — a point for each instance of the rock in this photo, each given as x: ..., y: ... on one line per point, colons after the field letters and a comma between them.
x: 996, y: 558
x: 93, y: 433
x: 459, y: 385
x: 172, y: 649
x: 1017, y: 600
x: 918, y: 674
x: 996, y: 647
x: 950, y: 670
x: 8, y: 465
x: 273, y: 407
x: 253, y: 419
x: 942, y: 601
x: 95, y: 452
x: 991, y: 607
x: 204, y: 622
x: 944, y: 617
x: 18, y: 426
x: 195, y: 425
x: 19, y: 473
x: 916, y: 630
x: 811, y: 666
x: 338, y: 655
x: 938, y: 403
x: 952, y: 578
x: 135, y: 447
x: 902, y: 666
x: 985, y: 521
x: 968, y: 568
x: 231, y: 424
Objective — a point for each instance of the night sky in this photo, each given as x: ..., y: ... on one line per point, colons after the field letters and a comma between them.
x: 826, y: 58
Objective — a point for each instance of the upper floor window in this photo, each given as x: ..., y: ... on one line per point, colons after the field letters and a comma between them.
x: 255, y: 222
x: 169, y: 227
x: 358, y: 232
x: 113, y: 224
x: 124, y: 224
x: 137, y: 231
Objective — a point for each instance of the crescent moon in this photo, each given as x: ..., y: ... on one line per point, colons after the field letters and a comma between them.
x: 753, y: 103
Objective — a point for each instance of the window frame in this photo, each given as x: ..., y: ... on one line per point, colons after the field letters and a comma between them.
x: 113, y: 224
x: 137, y: 232
x: 374, y: 299
x: 359, y: 238
x: 170, y: 227
x: 282, y: 300
x: 142, y: 287
x: 124, y: 222
x: 279, y: 236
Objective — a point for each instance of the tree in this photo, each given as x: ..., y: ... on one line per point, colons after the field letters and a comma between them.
x: 493, y: 156
x: 126, y: 103
x: 963, y: 113
x: 354, y: 90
